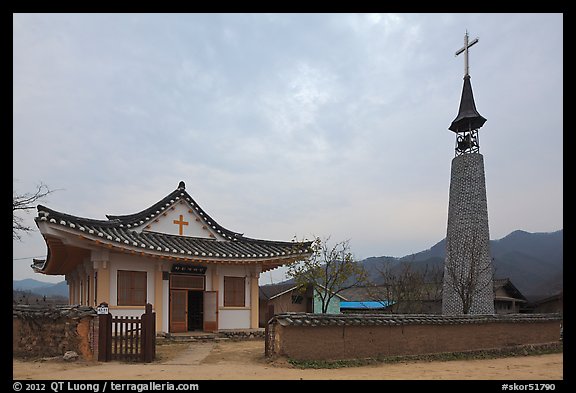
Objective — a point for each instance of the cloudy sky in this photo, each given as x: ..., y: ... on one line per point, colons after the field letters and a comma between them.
x: 287, y: 125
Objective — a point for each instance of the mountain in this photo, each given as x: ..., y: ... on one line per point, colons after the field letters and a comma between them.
x: 41, y: 288
x: 532, y: 261
x: 28, y: 284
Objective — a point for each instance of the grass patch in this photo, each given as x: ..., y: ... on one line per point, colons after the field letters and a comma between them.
x: 523, y: 350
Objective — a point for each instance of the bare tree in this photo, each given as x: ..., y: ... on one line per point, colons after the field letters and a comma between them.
x: 383, y: 288
x: 470, y: 276
x: 434, y: 285
x: 405, y: 288
x: 23, y: 204
x: 330, y: 269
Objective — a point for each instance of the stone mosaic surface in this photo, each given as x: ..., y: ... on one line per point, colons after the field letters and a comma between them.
x: 468, y: 270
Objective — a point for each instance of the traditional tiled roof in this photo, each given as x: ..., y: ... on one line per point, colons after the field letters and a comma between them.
x: 271, y: 291
x: 147, y: 215
x: 118, y: 232
x: 309, y: 320
x: 510, y: 288
x: 552, y: 298
x: 33, y: 311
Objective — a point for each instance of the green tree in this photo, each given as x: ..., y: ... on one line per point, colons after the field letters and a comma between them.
x: 330, y: 269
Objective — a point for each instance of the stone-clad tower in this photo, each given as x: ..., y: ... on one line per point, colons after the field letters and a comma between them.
x: 468, y: 284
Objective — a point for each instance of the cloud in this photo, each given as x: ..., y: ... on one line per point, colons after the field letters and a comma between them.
x: 284, y: 124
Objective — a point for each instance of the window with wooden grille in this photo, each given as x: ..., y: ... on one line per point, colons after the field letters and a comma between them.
x: 234, y: 291
x: 131, y: 288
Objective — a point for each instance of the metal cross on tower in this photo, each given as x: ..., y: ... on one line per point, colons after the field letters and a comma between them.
x: 468, y: 121
x: 465, y: 50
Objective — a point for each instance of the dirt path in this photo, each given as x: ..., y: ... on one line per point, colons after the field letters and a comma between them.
x: 245, y: 360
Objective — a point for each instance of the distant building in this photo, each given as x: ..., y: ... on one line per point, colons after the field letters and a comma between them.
x: 507, y: 300
x: 372, y: 298
x: 289, y: 297
x: 550, y: 304
x: 364, y: 307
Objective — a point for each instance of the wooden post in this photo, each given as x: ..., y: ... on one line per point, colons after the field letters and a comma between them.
x: 268, y: 332
x: 148, y: 334
x: 104, y: 336
x: 254, y: 301
x: 266, y: 346
x: 158, y: 296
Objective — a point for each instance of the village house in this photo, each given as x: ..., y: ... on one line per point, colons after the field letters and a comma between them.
x: 197, y: 274
x: 289, y: 297
x: 550, y: 304
x: 378, y: 298
x: 507, y: 300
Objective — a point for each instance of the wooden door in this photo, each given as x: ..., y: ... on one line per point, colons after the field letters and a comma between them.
x: 211, y: 311
x: 178, y: 310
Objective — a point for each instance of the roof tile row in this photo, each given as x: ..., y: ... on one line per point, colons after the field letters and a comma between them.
x: 118, y: 231
x: 308, y: 320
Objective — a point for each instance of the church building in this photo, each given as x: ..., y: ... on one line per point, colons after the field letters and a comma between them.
x: 197, y: 274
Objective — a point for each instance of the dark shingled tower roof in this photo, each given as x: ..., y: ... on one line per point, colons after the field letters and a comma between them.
x: 468, y: 117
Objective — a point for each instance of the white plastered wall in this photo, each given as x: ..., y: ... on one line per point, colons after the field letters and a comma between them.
x: 234, y: 317
x: 228, y: 317
x: 165, y: 305
x: 131, y: 263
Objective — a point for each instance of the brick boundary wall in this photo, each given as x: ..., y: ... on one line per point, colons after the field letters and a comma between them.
x: 49, y: 331
x: 303, y: 336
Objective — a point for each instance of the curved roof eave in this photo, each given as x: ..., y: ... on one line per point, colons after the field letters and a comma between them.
x: 159, y: 245
x: 118, y: 232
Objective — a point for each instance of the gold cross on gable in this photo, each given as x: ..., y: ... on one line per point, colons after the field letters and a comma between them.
x: 180, y: 223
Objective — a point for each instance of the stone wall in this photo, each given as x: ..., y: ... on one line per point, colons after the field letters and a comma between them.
x: 341, y: 337
x: 49, y: 331
x: 242, y: 334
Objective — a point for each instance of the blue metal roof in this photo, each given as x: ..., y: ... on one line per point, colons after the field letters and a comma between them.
x: 366, y: 305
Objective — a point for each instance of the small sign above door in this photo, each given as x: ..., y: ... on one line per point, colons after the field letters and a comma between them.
x: 190, y: 269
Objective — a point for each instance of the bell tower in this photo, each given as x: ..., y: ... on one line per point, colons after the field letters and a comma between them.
x: 468, y: 282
